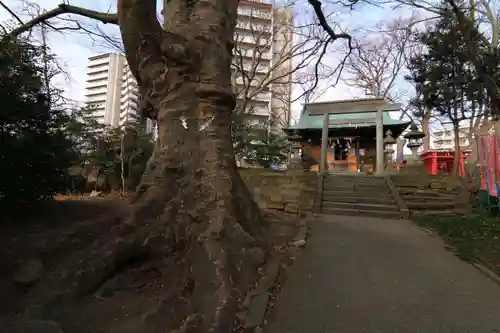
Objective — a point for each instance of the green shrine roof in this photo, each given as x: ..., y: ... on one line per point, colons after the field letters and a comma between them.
x: 343, y: 120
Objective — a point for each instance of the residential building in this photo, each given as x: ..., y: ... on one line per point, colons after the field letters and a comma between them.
x: 444, y: 138
x: 129, y: 98
x: 112, y: 91
x: 103, y: 87
x: 264, y: 41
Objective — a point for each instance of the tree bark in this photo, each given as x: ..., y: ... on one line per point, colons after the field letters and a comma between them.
x: 458, y: 152
x: 122, y: 162
x: 192, y: 208
x: 425, y: 128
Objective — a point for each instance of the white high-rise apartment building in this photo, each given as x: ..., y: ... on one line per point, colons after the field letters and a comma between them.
x: 444, y: 138
x: 111, y: 90
x: 264, y: 38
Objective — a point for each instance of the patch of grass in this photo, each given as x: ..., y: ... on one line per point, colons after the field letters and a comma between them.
x: 474, y: 238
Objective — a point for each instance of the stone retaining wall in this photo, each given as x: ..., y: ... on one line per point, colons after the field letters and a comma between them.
x: 290, y: 191
x: 425, y: 194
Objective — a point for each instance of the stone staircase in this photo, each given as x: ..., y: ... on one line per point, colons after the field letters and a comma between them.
x: 432, y: 195
x: 358, y: 195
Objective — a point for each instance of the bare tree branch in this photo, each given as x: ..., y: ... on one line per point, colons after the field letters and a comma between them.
x: 64, y: 9
x: 291, y: 48
x: 316, y: 4
x: 11, y: 12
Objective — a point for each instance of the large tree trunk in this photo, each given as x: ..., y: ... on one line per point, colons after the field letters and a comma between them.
x: 472, y: 138
x: 425, y: 128
x: 193, y: 215
x: 458, y: 153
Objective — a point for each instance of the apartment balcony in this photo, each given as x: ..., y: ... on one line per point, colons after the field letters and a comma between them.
x: 250, y: 11
x: 101, y: 98
x: 98, y: 70
x: 129, y: 98
x: 99, y: 62
x: 130, y: 105
x: 261, y: 97
x: 100, y: 56
x: 252, y: 39
x: 97, y: 76
x: 256, y: 82
x: 251, y: 67
x: 96, y: 84
x: 130, y: 90
x: 251, y: 51
x: 256, y: 31
x: 262, y: 4
x: 97, y: 113
x: 96, y: 91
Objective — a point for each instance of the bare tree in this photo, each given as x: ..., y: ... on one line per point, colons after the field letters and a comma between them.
x: 379, y: 61
x: 193, y: 218
x: 477, y: 19
x: 265, y: 58
x: 268, y: 59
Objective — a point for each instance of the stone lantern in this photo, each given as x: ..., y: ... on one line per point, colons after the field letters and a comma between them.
x: 414, y: 137
x: 295, y: 147
x: 389, y: 141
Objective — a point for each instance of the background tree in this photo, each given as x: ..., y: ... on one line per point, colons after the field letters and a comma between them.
x: 266, y: 147
x: 35, y: 151
x: 106, y: 154
x: 445, y: 77
x: 378, y: 63
x: 268, y: 61
x: 477, y: 20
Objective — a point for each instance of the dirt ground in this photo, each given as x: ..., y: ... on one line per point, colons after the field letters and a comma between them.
x: 34, y: 246
x: 49, y: 235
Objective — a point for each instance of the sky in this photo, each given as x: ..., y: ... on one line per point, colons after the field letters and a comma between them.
x: 73, y: 49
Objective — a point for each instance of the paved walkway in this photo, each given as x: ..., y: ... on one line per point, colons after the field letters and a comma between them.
x: 367, y: 275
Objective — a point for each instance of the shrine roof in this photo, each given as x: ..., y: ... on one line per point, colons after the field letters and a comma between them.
x: 343, y: 120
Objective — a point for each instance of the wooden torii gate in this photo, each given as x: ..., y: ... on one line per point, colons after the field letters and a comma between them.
x: 365, y: 105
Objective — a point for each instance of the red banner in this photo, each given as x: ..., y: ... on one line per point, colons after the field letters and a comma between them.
x: 489, y: 163
x: 480, y: 144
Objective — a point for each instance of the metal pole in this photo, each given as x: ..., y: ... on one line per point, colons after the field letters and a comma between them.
x: 380, y: 142
x: 324, y: 143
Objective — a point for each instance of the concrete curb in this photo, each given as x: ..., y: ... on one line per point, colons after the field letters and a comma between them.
x: 487, y: 269
x: 255, y: 304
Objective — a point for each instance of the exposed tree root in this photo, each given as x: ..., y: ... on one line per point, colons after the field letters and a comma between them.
x: 217, y: 241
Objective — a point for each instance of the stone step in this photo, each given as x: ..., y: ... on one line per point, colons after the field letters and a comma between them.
x: 412, y: 205
x: 443, y: 212
x: 427, y: 191
x: 419, y: 194
x: 360, y: 186
x: 335, y: 193
x: 340, y: 211
x: 355, y: 212
x: 359, y: 199
x: 359, y: 206
x: 421, y: 198
x: 354, y: 181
